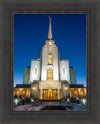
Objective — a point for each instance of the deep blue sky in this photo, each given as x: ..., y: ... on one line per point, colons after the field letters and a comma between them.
x: 31, y: 32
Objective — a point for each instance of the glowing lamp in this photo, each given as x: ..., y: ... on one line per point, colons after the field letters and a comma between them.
x: 33, y: 88
x: 16, y: 101
x: 66, y: 88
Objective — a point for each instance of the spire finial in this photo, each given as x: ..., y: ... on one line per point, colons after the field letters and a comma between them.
x: 50, y: 18
x: 50, y: 31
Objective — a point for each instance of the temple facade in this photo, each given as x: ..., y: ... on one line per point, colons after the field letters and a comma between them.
x: 49, y: 76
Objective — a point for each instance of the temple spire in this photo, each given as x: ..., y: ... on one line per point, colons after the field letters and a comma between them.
x: 50, y: 31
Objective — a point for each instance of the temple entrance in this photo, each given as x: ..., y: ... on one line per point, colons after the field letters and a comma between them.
x: 50, y: 94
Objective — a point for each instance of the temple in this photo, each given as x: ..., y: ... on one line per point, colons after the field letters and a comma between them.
x: 50, y: 78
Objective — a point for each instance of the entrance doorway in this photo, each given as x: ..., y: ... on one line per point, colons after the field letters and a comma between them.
x: 50, y: 94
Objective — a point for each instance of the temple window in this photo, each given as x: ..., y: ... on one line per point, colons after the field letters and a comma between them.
x: 49, y: 59
x: 49, y: 74
x: 35, y: 71
x: 63, y: 71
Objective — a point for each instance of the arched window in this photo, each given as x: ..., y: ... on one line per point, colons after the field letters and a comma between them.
x: 35, y: 71
x: 63, y: 71
x: 49, y: 59
x: 49, y: 74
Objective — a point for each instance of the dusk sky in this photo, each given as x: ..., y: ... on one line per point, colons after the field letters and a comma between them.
x: 31, y: 32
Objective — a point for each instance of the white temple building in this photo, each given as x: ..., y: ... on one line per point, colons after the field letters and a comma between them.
x: 49, y: 76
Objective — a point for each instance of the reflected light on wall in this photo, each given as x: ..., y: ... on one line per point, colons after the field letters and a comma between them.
x: 20, y: 89
x: 49, y: 89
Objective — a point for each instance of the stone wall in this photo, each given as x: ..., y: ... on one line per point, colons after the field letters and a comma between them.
x: 26, y: 78
x: 34, y: 90
x: 55, y: 62
x: 64, y: 70
x: 35, y: 70
x: 72, y: 75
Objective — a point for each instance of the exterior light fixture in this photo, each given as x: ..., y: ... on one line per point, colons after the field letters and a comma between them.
x: 33, y: 88
x: 66, y: 88
x: 84, y: 101
x: 49, y: 89
x: 68, y: 100
x: 16, y: 101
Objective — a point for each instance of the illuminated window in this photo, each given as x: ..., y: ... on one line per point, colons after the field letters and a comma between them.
x: 49, y: 50
x: 49, y: 74
x: 49, y: 59
x: 63, y: 71
x: 35, y: 71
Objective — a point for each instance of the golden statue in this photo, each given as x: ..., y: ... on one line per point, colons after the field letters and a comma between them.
x: 50, y: 18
